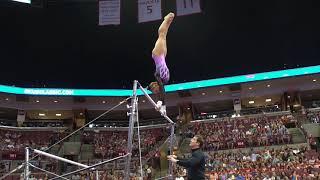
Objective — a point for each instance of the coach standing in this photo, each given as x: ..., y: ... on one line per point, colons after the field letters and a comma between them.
x: 195, y: 165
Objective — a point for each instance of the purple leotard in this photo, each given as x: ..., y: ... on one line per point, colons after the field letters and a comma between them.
x: 161, y: 68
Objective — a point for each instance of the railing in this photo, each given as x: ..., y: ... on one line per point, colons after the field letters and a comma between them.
x: 11, y: 128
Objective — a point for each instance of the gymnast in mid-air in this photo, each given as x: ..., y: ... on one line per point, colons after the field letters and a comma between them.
x: 159, y: 53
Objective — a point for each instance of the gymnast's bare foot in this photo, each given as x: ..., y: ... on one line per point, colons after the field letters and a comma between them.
x: 169, y: 17
x: 163, y: 29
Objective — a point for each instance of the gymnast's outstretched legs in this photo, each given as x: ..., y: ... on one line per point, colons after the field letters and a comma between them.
x: 160, y: 47
x: 159, y: 53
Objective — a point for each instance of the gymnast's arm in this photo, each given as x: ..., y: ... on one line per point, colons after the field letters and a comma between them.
x: 161, y: 89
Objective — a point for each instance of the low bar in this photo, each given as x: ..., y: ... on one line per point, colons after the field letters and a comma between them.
x: 59, y: 158
x: 93, y: 166
x: 26, y: 170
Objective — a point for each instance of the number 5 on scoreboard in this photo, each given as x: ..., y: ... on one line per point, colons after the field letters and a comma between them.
x: 149, y: 10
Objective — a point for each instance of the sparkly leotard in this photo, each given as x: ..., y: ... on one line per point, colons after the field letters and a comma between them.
x: 162, y: 70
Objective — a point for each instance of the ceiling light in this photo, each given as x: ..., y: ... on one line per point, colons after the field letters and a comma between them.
x: 103, y: 102
x: 268, y: 85
x: 203, y: 93
x: 220, y: 91
x: 250, y: 88
x: 58, y: 114
x: 268, y: 100
x: 42, y: 114
x: 314, y: 80
x: 55, y: 101
x: 251, y: 102
x: 37, y: 101
x: 23, y: 1
x: 7, y: 99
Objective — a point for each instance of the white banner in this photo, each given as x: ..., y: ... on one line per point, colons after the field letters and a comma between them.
x: 109, y: 12
x: 185, y: 7
x: 149, y: 10
x: 21, y: 117
x: 237, y: 105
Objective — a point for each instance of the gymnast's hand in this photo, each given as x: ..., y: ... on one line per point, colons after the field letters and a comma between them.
x: 172, y: 158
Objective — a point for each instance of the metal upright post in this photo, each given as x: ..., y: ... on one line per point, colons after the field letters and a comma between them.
x: 132, y: 120
x: 97, y: 175
x: 171, y: 151
x: 26, y: 170
x: 139, y: 140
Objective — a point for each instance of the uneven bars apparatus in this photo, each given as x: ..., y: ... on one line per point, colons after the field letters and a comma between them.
x: 133, y: 119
